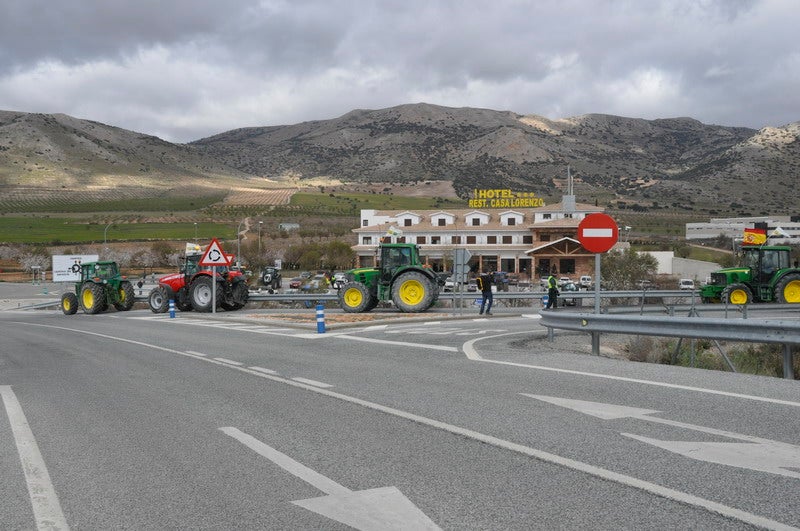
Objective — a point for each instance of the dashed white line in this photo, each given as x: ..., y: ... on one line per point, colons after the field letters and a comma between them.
x: 229, y: 362
x: 321, y: 385
x: 195, y: 353
x: 262, y: 369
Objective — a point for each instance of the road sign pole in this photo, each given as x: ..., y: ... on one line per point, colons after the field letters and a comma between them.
x: 213, y: 289
x: 597, y: 282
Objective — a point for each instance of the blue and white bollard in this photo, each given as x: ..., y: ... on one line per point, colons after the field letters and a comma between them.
x: 545, y: 300
x: 171, y: 309
x: 320, y: 319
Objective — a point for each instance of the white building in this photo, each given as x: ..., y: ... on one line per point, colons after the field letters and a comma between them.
x: 734, y: 228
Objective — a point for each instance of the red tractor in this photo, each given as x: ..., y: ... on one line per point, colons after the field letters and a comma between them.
x: 192, y: 287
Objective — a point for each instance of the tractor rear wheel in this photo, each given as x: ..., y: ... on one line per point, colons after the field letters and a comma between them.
x: 240, y: 295
x: 413, y: 292
x: 69, y: 303
x: 354, y: 297
x: 93, y: 298
x: 736, y: 294
x: 201, y: 294
x: 788, y: 289
x: 159, y: 299
x: 126, y: 297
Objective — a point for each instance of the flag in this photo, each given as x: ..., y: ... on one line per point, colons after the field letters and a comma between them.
x: 394, y: 231
x: 777, y: 231
x: 754, y: 236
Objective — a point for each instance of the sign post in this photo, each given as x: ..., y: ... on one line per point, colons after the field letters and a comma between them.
x: 214, y: 256
x: 598, y: 233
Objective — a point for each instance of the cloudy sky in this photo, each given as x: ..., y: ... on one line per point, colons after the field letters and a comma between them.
x: 186, y: 69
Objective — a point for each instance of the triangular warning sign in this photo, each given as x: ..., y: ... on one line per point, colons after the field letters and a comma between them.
x: 214, y: 255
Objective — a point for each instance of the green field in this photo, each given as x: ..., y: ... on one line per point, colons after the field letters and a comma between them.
x: 55, y: 231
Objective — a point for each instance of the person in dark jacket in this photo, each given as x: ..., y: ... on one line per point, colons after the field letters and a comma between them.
x: 485, y: 285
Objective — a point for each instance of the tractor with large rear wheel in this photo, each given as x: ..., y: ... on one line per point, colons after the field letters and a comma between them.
x: 101, y: 286
x: 766, y: 275
x: 192, y: 287
x: 401, y: 278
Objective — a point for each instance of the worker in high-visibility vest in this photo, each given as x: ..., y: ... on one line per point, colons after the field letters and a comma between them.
x: 552, y: 293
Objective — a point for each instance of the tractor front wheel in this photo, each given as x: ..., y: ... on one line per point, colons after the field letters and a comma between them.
x: 736, y: 294
x: 201, y: 294
x: 93, y: 298
x: 354, y: 297
x: 788, y: 289
x: 413, y: 292
x: 69, y: 303
x: 126, y: 297
x: 159, y: 299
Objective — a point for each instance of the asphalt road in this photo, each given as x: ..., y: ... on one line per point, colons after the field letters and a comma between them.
x: 237, y: 421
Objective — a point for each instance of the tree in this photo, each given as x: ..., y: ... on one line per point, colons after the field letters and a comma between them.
x: 622, y: 270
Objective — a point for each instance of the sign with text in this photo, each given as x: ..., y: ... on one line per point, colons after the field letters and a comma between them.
x: 67, y: 268
x: 504, y: 198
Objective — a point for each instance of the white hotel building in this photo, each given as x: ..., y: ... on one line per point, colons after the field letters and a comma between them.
x: 524, y: 241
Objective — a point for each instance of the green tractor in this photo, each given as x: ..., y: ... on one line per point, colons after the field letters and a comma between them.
x: 765, y: 275
x: 101, y: 285
x: 401, y: 278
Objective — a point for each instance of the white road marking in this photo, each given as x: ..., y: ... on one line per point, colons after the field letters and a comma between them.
x: 262, y: 369
x: 195, y: 353
x: 315, y: 383
x: 46, y: 507
x: 230, y: 362
x: 384, y: 508
x: 399, y: 343
x: 473, y: 355
x: 646, y: 486
x: 764, y: 455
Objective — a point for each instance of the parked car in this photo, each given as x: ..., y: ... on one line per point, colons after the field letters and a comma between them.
x: 566, y: 289
x: 296, y: 282
x: 563, y: 281
x: 585, y: 281
x: 501, y: 280
x: 686, y: 283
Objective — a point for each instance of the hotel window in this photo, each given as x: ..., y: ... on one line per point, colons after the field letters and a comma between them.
x: 364, y: 222
x: 407, y: 222
x: 512, y: 222
x: 421, y: 239
x: 527, y: 239
x: 544, y: 238
x: 491, y: 240
x: 366, y: 240
x: 441, y: 222
x: 436, y: 240
x: 508, y: 239
x: 547, y: 216
x: 455, y: 239
x: 476, y: 222
x: 471, y: 240
x: 401, y: 239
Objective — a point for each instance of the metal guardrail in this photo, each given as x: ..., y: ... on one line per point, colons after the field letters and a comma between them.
x: 786, y: 333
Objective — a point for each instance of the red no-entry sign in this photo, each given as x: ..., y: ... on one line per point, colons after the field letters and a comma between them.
x: 598, y: 232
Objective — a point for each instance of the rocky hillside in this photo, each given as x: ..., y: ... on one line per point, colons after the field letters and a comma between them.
x: 671, y: 163
x: 632, y: 163
x: 59, y: 152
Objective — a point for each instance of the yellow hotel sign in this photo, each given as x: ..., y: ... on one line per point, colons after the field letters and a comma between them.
x: 504, y: 198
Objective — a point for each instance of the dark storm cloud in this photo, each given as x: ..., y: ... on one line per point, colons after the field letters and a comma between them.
x: 190, y: 68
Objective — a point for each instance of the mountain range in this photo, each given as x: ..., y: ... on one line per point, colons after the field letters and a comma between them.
x: 677, y: 163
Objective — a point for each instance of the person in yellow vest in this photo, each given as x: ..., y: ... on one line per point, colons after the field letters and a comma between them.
x: 552, y: 293
x: 485, y: 285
